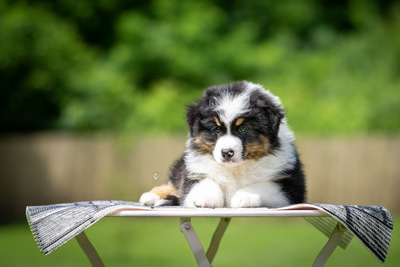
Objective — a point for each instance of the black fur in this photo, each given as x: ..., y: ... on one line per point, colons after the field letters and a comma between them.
x: 179, y: 178
x: 292, y: 183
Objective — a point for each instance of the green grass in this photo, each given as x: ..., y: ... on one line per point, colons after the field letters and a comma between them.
x: 158, y: 242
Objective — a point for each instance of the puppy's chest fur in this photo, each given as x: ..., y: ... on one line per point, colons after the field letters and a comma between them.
x: 254, y: 179
x: 229, y: 180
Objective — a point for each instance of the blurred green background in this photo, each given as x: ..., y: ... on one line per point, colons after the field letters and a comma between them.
x: 114, y: 65
x: 92, y: 103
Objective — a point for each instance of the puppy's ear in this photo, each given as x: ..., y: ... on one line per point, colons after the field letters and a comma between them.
x: 192, y: 118
x: 271, y: 111
x: 276, y: 114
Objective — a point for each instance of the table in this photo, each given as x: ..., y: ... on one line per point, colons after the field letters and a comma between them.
x: 204, y: 259
x: 54, y: 225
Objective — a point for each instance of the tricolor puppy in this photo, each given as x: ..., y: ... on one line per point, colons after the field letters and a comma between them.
x: 239, y: 154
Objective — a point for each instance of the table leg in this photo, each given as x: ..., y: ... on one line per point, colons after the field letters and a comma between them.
x: 194, y: 242
x: 330, y: 246
x: 89, y: 250
x: 216, y: 239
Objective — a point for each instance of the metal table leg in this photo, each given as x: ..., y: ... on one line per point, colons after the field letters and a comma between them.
x: 216, y: 239
x: 330, y: 246
x: 194, y: 242
x: 89, y: 250
x: 202, y: 258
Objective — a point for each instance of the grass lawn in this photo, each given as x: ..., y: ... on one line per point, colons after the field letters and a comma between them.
x: 158, y: 242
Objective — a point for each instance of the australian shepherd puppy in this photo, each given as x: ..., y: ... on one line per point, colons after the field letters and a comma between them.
x: 239, y: 154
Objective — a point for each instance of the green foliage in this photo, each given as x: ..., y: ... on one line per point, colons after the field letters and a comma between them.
x: 131, y: 67
x: 52, y: 79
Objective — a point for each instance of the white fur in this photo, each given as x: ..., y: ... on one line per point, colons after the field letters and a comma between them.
x: 206, y: 194
x: 228, y: 142
x: 149, y: 199
x: 259, y: 194
x: 229, y: 107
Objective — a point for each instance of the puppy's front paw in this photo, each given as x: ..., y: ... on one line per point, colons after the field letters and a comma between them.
x: 209, y: 201
x: 244, y: 199
x: 149, y: 199
x: 205, y: 195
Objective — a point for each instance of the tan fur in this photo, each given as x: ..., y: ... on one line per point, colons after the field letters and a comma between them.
x: 203, y: 146
x: 239, y: 121
x: 217, y: 121
x: 257, y: 150
x: 164, y: 190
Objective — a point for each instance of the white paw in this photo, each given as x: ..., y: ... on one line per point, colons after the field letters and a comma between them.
x: 149, y: 199
x: 206, y: 194
x: 208, y: 201
x: 243, y: 199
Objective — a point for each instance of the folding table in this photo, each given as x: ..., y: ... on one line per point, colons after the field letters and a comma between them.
x: 54, y: 225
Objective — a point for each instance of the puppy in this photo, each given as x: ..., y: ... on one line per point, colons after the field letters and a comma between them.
x: 239, y: 154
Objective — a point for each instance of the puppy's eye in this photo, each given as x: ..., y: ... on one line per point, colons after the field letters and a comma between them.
x: 216, y: 129
x: 242, y: 129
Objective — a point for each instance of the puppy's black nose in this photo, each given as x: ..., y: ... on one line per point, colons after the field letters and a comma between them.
x: 227, y: 153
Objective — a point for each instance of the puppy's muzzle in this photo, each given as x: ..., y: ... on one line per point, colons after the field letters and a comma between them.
x: 227, y: 153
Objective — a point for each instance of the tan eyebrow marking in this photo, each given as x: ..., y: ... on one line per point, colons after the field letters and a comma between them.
x: 239, y: 121
x: 217, y: 121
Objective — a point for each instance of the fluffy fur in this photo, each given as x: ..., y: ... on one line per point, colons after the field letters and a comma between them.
x: 240, y: 153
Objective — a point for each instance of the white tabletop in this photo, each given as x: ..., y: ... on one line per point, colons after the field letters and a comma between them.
x: 220, y: 212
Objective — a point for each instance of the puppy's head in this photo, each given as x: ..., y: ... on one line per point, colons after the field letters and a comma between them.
x: 235, y: 122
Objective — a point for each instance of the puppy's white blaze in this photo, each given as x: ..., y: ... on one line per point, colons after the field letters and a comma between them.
x: 228, y: 128
x: 230, y: 107
x: 228, y: 142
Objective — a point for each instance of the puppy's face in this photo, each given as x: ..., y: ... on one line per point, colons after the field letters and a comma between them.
x: 235, y: 122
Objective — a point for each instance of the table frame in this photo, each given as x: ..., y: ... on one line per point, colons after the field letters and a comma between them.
x: 204, y: 259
